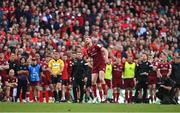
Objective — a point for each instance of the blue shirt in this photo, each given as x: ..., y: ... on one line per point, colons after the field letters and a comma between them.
x: 34, y: 73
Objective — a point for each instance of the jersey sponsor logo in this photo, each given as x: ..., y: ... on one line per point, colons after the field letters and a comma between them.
x: 56, y: 65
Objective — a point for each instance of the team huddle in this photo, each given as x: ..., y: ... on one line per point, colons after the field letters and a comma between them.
x: 51, y: 79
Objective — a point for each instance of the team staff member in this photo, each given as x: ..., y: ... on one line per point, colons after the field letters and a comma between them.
x: 79, y: 76
x: 22, y: 75
x: 128, y: 76
x: 142, y: 71
x: 35, y: 73
x: 108, y: 77
x: 56, y: 66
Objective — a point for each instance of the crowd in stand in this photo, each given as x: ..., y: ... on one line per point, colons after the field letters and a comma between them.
x: 36, y: 33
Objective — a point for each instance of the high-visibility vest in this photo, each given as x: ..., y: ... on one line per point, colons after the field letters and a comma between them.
x: 108, y: 71
x: 129, y: 70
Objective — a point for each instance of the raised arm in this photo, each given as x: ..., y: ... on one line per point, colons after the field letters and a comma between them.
x: 105, y: 52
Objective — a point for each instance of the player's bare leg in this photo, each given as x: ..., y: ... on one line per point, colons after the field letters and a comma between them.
x: 7, y: 95
x: 94, y: 87
x: 63, y: 92
x: 35, y: 93
x: 103, y: 83
x: 68, y: 93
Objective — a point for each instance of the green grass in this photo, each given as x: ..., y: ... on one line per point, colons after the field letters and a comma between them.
x: 65, y: 107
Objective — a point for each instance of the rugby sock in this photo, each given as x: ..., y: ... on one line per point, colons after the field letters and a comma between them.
x: 60, y: 94
x: 94, y: 90
x: 47, y: 96
x: 114, y: 96
x: 40, y: 96
x: 67, y: 94
x: 117, y: 97
x: 154, y: 98
x: 104, y: 89
x: 151, y: 98
x: 100, y: 94
x: 130, y: 95
x: 30, y: 95
x: 91, y: 95
x: 126, y: 95
x: 50, y: 94
x: 55, y: 95
x: 20, y: 97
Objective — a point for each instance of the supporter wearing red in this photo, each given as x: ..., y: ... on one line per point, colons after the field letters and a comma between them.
x: 35, y: 72
x: 117, y: 79
x: 164, y: 67
x: 128, y: 76
x: 10, y: 85
x: 153, y: 79
x: 22, y: 75
x: 100, y: 57
x: 23, y: 24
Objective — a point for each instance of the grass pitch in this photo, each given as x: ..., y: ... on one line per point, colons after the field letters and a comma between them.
x: 66, y: 107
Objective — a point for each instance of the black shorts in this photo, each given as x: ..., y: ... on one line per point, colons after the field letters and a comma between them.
x: 178, y: 86
x: 55, y: 80
x: 65, y: 82
x: 88, y: 84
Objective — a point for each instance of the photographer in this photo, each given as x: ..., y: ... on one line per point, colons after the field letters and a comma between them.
x: 176, y: 73
x: 166, y: 91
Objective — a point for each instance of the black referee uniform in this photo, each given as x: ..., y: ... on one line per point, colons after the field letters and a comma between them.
x: 78, y: 75
x: 142, y: 71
